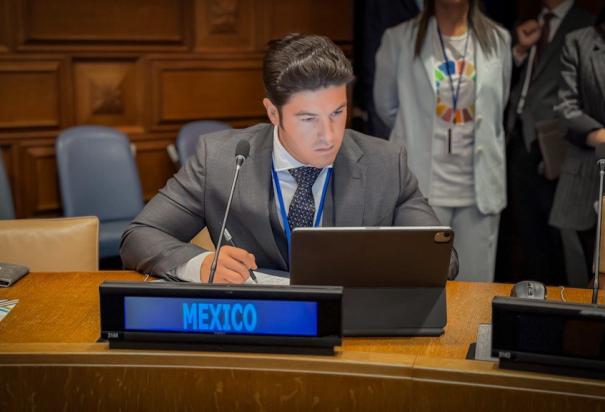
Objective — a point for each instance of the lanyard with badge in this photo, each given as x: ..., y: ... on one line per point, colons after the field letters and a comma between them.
x: 282, y: 205
x: 455, y: 94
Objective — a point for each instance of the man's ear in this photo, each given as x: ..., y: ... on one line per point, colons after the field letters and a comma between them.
x: 272, y: 111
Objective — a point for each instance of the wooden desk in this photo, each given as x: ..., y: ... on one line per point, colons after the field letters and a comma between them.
x: 49, y: 359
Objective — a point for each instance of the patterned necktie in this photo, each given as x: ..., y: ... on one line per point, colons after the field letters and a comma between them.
x: 302, y: 208
x: 544, y: 38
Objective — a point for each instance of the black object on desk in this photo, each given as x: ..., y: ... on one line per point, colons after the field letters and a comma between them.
x: 529, y: 289
x: 243, y: 318
x: 547, y: 336
x: 10, y: 273
x: 394, y: 277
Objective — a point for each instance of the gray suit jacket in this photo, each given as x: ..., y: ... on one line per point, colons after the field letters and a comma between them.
x: 582, y: 108
x: 542, y: 93
x: 372, y: 186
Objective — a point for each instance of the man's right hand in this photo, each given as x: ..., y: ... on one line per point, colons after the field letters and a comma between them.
x: 232, y: 266
x: 528, y: 34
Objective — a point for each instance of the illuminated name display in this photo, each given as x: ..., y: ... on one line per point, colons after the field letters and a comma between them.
x: 221, y: 316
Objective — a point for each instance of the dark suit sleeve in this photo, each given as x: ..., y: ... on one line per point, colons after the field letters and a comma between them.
x: 413, y: 209
x: 570, y: 108
x: 157, y: 241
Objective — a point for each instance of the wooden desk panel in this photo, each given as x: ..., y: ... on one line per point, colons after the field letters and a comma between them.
x: 48, y: 357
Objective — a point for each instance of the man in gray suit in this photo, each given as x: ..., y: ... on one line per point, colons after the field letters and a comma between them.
x: 582, y: 108
x: 537, y: 58
x: 304, y: 169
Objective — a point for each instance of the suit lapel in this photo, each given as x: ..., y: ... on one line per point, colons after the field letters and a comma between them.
x: 555, y: 45
x: 598, y: 62
x: 348, y: 196
x: 426, y: 54
x: 254, y: 194
x: 481, y: 62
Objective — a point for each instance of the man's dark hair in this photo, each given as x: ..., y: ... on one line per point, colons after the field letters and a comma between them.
x: 482, y: 26
x: 299, y: 62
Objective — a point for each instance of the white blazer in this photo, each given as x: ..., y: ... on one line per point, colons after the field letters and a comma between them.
x: 405, y: 98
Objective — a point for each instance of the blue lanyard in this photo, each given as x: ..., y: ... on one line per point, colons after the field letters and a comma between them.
x: 449, y: 74
x: 282, y: 207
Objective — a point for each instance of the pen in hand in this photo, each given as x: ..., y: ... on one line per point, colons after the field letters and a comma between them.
x: 229, y: 239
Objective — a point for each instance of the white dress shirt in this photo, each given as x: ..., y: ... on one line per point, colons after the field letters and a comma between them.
x: 282, y: 161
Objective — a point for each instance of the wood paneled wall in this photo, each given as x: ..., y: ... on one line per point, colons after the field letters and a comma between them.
x: 145, y: 67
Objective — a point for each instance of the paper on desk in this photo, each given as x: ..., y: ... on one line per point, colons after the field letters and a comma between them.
x: 263, y: 279
x: 266, y: 279
x: 6, y: 307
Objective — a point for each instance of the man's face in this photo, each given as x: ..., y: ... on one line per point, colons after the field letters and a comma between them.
x: 312, y: 124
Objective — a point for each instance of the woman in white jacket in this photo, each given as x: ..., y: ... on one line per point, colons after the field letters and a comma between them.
x: 442, y: 83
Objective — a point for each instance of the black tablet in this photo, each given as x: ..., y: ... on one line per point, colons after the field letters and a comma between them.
x: 371, y: 256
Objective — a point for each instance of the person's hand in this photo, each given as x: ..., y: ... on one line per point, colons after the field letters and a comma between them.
x: 528, y: 34
x: 595, y: 138
x: 232, y: 266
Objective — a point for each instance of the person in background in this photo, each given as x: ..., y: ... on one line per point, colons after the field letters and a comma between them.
x: 372, y: 18
x: 441, y: 85
x: 537, y: 62
x: 582, y: 109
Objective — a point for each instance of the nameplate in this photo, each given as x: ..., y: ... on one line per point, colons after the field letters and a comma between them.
x: 549, y: 336
x: 219, y: 317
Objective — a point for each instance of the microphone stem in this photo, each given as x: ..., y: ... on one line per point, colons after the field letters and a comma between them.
x: 597, y: 260
x: 222, y: 232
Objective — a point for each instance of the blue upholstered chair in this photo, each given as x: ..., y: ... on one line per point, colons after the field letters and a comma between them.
x: 98, y: 176
x: 7, y: 210
x: 189, y: 136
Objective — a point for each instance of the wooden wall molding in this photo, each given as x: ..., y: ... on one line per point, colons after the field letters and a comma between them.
x: 39, y: 194
x: 227, y: 25
x: 334, y: 20
x: 103, y: 25
x: 152, y: 157
x: 189, y: 90
x: 4, y: 27
x: 145, y: 67
x: 32, y: 92
x: 109, y: 92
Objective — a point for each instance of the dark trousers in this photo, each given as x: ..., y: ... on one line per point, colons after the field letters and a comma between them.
x: 531, y: 198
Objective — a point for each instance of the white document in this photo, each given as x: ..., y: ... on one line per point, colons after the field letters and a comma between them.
x: 6, y: 306
x: 265, y: 279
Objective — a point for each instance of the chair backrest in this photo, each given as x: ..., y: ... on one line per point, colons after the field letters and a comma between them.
x: 51, y: 245
x: 98, y: 174
x: 7, y: 210
x: 190, y: 133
